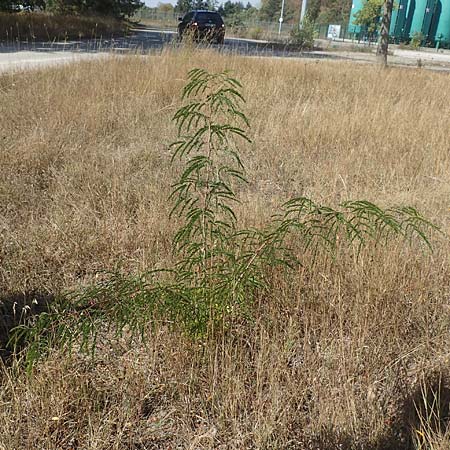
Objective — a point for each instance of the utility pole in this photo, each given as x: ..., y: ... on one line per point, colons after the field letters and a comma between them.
x: 281, y: 17
x: 383, y: 46
x: 303, y: 12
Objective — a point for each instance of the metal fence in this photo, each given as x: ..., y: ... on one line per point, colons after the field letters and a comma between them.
x: 339, y: 32
x: 257, y: 29
x: 149, y: 16
x: 253, y: 28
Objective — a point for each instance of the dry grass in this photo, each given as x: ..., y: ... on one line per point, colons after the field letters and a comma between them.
x: 16, y: 27
x: 168, y: 21
x: 338, y: 352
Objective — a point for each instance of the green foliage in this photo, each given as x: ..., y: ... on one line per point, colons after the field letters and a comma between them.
x: 230, y: 8
x: 329, y: 11
x: 353, y: 222
x: 235, y: 14
x: 313, y: 11
x: 369, y: 15
x: 204, y: 194
x: 270, y: 10
x: 15, y: 6
x: 256, y: 33
x: 113, y: 8
x: 221, y: 269
x: 417, y: 39
x: 304, y: 37
x: 184, y: 6
x: 6, y: 5
x: 209, y: 126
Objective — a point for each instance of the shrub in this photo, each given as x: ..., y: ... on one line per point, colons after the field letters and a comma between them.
x: 417, y: 39
x: 256, y: 33
x: 303, y: 37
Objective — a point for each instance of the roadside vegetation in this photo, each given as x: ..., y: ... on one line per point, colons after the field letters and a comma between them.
x: 247, y: 21
x: 30, y: 27
x: 369, y: 17
x: 237, y: 12
x: 48, y: 20
x: 317, y: 346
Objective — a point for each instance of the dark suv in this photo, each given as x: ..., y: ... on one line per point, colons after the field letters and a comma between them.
x: 207, y: 25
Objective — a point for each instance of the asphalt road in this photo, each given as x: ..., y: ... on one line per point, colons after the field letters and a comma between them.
x: 25, y: 55
x: 28, y: 55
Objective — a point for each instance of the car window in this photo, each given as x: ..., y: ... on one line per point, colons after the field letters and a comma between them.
x: 208, y: 17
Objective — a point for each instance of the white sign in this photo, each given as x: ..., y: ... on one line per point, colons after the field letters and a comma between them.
x: 334, y: 31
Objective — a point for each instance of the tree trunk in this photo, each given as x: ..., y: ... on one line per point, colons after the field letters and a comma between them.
x: 383, y: 45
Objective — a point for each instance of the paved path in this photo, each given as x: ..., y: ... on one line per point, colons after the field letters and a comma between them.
x: 23, y: 55
x: 26, y: 59
x: 19, y: 56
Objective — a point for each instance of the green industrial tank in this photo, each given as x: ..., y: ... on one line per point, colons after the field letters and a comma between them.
x: 443, y: 27
x: 417, y: 13
x: 393, y: 21
x: 398, y: 21
x: 428, y: 18
x: 435, y: 21
x: 356, y: 6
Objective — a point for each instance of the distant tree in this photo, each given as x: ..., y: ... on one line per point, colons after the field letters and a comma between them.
x: 200, y: 4
x: 230, y: 8
x: 183, y: 6
x: 236, y: 14
x: 165, y: 7
x: 114, y: 8
x: 39, y: 4
x: 314, y: 9
x: 66, y: 6
x: 333, y: 11
x: 270, y: 10
x: 117, y: 8
x: 369, y: 15
x: 13, y: 5
x: 6, y: 5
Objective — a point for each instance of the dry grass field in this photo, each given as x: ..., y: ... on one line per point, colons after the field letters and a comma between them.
x: 340, y: 354
x: 29, y: 27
